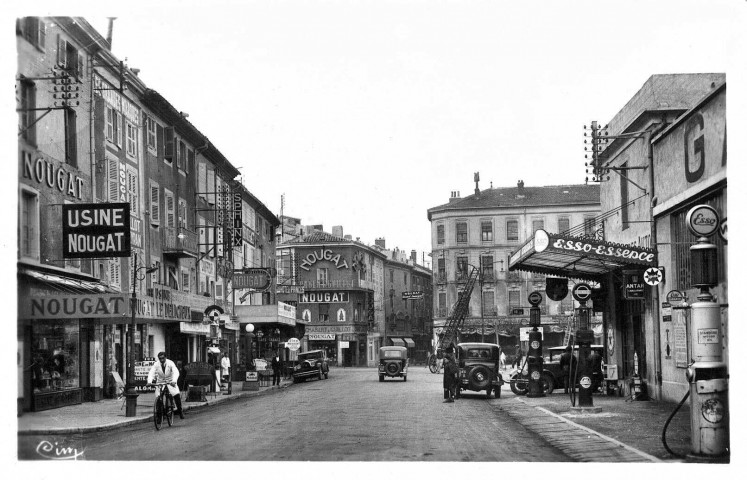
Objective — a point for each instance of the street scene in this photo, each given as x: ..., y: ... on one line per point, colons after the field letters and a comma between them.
x: 374, y: 233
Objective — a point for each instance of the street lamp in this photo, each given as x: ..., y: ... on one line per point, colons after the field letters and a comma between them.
x: 391, y: 302
x: 130, y: 394
x: 249, y: 329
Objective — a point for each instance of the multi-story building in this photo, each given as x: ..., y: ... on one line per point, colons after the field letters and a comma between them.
x: 335, y: 284
x: 94, y: 138
x: 480, y: 232
x: 665, y: 152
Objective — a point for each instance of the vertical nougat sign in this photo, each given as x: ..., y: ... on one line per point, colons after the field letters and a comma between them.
x: 96, y: 230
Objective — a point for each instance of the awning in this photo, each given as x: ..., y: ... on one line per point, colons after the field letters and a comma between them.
x: 66, y: 284
x: 397, y: 342
x: 577, y: 257
x: 409, y: 342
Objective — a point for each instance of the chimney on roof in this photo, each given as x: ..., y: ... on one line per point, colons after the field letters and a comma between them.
x: 110, y: 31
x: 380, y: 242
x: 454, y: 196
x: 337, y: 231
x: 348, y: 237
x: 414, y: 256
x: 477, y: 184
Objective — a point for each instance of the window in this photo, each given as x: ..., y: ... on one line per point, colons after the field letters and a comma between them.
x: 155, y: 207
x: 182, y: 213
x: 405, y: 280
x: 512, y: 230
x: 623, y: 196
x: 34, y: 30
x: 514, y: 299
x: 589, y: 226
x: 131, y: 140
x: 322, y: 276
x: 27, y: 115
x: 112, y: 178
x: 181, y: 155
x: 441, y: 268
x: 168, y: 145
x: 151, y: 135
x: 488, y: 302
x: 486, y: 265
x: 461, y: 268
x: 132, y: 191
x: 71, y: 137
x: 324, y: 312
x: 29, y: 218
x: 440, y: 234
x: 391, y: 276
x: 564, y: 224
x: 486, y: 231
x: 68, y: 57
x: 461, y: 232
x: 170, y: 206
x: 114, y: 273
x: 537, y: 224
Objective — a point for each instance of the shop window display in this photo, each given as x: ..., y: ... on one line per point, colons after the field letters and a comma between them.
x: 54, y: 351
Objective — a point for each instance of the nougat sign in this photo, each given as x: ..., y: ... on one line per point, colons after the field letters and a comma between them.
x: 96, y: 230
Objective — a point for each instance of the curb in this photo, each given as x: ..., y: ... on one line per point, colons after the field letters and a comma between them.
x: 144, y: 419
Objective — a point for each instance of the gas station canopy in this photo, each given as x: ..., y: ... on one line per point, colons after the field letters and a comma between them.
x: 577, y: 257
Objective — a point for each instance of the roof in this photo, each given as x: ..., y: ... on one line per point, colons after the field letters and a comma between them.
x: 324, y: 238
x: 524, y: 197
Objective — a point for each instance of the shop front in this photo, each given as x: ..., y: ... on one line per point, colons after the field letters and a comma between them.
x: 615, y: 273
x: 273, y: 326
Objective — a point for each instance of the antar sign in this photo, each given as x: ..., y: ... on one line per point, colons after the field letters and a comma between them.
x: 96, y: 230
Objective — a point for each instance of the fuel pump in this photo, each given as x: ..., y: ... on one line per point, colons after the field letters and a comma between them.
x: 584, y: 338
x: 534, y: 355
x: 707, y: 375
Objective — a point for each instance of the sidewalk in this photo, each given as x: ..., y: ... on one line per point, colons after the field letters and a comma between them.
x: 624, y: 431
x: 110, y: 413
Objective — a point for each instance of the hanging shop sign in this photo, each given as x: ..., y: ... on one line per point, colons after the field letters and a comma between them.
x: 412, y: 295
x: 675, y: 298
x: 194, y: 328
x: 633, y: 286
x: 325, y: 255
x: 96, y: 230
x: 321, y: 336
x: 324, y: 297
x: 556, y: 288
x: 258, y: 279
x: 653, y: 276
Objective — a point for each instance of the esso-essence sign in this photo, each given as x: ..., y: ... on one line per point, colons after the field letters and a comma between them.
x: 702, y: 220
x: 581, y: 292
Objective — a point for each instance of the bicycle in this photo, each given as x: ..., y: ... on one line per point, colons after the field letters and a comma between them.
x: 163, y: 406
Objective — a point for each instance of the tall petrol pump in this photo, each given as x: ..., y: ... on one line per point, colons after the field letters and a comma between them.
x: 584, y: 337
x: 708, y: 374
x: 534, y: 355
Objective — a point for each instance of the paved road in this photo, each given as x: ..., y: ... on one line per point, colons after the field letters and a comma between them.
x: 349, y: 417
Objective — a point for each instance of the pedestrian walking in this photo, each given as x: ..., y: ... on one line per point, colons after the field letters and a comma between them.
x: 181, y: 382
x: 568, y: 365
x: 225, y: 367
x: 276, y: 366
x: 519, y: 356
x: 451, y: 372
x: 502, y: 360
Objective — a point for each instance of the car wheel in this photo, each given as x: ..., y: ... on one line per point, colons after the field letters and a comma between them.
x: 381, y: 378
x: 392, y: 368
x: 518, y: 385
x: 479, y: 378
x: 547, y: 384
x: 321, y: 375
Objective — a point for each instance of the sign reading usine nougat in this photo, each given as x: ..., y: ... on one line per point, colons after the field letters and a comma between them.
x: 96, y: 230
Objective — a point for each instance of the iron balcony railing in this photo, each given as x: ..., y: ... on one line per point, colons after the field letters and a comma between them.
x: 179, y: 241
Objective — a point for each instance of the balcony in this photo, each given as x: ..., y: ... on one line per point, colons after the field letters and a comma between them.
x: 179, y: 242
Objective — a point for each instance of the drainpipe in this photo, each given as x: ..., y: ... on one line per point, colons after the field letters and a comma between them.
x: 655, y: 290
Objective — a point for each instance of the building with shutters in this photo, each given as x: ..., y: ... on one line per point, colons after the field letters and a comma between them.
x: 481, y: 231
x: 94, y: 137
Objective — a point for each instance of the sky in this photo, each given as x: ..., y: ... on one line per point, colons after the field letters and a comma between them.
x: 366, y: 114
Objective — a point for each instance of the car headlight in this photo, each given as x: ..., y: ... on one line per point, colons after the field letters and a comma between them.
x: 297, y: 367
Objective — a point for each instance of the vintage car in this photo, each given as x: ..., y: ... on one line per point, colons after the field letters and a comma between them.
x: 311, y: 364
x: 479, y: 368
x: 552, y: 373
x: 393, y: 362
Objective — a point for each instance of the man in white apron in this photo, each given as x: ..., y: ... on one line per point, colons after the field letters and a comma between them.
x: 164, y: 371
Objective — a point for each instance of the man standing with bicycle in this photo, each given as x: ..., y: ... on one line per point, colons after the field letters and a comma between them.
x: 164, y: 371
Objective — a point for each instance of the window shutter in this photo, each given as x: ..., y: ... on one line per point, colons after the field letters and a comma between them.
x: 61, y: 52
x: 155, y: 211
x: 159, y: 140
x: 202, y: 180
x: 169, y: 197
x: 114, y: 272
x: 211, y: 187
x: 118, y: 128
x: 42, y: 35
x: 132, y: 191
x: 168, y: 143
x: 79, y: 70
x: 190, y: 161
x: 201, y: 232
x: 113, y: 179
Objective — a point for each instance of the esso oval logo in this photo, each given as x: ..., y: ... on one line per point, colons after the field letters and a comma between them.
x: 585, y: 382
x: 581, y: 292
x: 535, y: 344
x: 535, y: 298
x: 535, y: 375
x: 702, y: 220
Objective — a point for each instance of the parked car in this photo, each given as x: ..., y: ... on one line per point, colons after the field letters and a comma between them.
x: 479, y: 368
x: 552, y: 363
x: 393, y: 362
x: 313, y: 363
